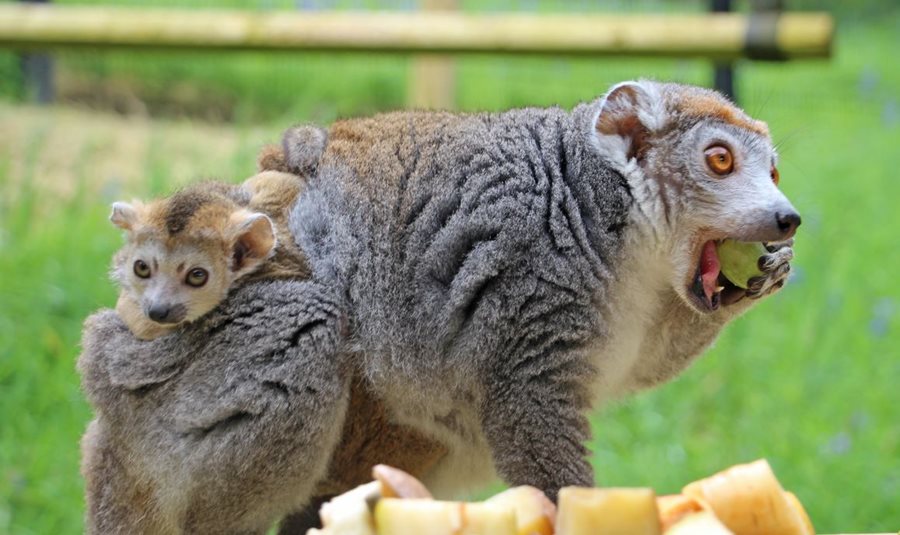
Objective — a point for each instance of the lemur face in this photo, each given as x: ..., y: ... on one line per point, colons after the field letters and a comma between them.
x: 179, y: 275
x: 173, y: 282
x: 702, y: 171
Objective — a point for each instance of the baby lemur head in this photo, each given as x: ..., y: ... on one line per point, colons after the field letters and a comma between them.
x: 183, y: 253
x: 700, y: 171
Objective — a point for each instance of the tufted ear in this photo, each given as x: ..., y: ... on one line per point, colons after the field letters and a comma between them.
x: 254, y: 240
x: 124, y: 215
x: 630, y: 111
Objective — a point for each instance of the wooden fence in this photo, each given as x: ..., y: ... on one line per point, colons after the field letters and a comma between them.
x: 720, y: 37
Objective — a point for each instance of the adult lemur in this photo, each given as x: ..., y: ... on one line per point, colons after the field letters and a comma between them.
x: 490, y: 277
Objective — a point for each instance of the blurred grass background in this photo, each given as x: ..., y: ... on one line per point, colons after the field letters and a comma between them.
x: 810, y: 379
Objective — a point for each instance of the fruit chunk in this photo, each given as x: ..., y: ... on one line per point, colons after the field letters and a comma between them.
x: 748, y: 499
x: 586, y: 511
x: 535, y: 513
x: 349, y: 513
x: 738, y: 260
x: 674, y: 507
x: 702, y: 523
x: 395, y: 516
x: 396, y: 483
x: 800, y: 510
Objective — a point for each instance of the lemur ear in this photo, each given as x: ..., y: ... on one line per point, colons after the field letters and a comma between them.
x: 629, y: 112
x: 124, y: 215
x: 254, y: 240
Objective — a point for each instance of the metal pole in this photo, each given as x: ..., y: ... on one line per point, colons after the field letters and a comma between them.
x: 723, y: 73
x: 37, y: 72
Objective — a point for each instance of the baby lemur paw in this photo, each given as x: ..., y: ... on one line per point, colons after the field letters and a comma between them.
x: 775, y: 267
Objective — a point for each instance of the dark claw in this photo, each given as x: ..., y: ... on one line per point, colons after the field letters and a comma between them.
x: 755, y: 284
x: 764, y: 263
x: 778, y: 245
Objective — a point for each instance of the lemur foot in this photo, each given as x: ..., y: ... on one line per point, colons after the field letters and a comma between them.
x: 775, y: 267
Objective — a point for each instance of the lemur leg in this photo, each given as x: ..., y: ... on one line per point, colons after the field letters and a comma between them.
x: 534, y: 421
x: 117, y: 500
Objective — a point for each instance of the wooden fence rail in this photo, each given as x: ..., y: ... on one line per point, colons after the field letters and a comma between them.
x: 721, y: 36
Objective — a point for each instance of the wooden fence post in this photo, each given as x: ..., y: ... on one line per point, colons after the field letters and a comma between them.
x: 432, y: 78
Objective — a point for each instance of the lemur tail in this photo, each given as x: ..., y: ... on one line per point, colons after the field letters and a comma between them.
x: 301, y: 148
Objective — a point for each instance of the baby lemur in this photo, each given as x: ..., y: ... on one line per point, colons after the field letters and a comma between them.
x: 490, y: 278
x: 185, y: 252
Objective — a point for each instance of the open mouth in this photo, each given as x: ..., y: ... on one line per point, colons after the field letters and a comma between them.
x: 710, y: 288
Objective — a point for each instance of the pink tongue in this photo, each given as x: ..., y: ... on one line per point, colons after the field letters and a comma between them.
x: 709, y: 268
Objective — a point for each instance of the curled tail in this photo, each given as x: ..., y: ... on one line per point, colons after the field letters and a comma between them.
x: 299, y: 154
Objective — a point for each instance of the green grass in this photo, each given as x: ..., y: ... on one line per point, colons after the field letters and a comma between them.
x: 809, y: 379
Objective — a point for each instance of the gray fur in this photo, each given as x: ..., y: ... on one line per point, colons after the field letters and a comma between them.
x: 485, y: 264
x: 303, y: 145
x: 196, y: 433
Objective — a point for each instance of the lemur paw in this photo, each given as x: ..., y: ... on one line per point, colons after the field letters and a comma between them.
x: 775, y: 267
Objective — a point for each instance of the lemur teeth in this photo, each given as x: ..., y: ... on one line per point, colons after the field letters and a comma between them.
x: 719, y: 289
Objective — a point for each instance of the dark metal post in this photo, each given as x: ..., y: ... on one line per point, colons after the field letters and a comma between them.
x: 37, y: 72
x: 723, y: 73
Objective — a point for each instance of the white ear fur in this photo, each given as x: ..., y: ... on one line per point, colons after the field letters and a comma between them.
x: 254, y: 240
x: 123, y: 215
x: 630, y: 111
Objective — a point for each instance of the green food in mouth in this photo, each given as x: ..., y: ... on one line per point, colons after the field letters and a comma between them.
x: 738, y: 260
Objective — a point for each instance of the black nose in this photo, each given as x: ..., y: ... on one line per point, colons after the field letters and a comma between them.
x: 159, y: 313
x: 788, y: 223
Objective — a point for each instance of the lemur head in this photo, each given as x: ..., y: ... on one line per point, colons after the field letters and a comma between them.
x: 700, y: 171
x: 183, y: 253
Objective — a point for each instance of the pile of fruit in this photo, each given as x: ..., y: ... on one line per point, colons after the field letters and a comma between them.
x: 742, y: 500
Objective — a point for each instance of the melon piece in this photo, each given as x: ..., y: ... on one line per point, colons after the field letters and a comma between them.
x: 612, y: 511
x: 702, y: 523
x: 535, y: 513
x: 748, y: 499
x: 394, y: 516
x: 738, y: 260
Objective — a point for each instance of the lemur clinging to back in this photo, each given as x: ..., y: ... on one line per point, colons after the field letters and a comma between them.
x: 501, y: 275
x: 183, y: 253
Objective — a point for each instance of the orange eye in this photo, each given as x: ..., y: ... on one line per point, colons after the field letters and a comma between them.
x: 719, y: 160
x: 775, y: 176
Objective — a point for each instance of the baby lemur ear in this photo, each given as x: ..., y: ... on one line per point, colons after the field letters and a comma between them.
x: 254, y: 240
x: 629, y: 112
x: 124, y: 215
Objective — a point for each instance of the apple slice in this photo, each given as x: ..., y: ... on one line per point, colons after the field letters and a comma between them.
x: 702, y: 523
x: 674, y: 507
x: 350, y: 513
x: 535, y: 513
x: 394, y: 516
x: 613, y: 511
x: 396, y: 483
x: 738, y: 260
x: 748, y: 499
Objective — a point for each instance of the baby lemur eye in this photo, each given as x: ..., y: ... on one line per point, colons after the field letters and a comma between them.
x: 719, y: 160
x: 197, y: 277
x: 775, y: 176
x: 141, y: 269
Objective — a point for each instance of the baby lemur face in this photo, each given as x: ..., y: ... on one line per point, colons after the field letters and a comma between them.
x: 701, y: 171
x: 184, y: 253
